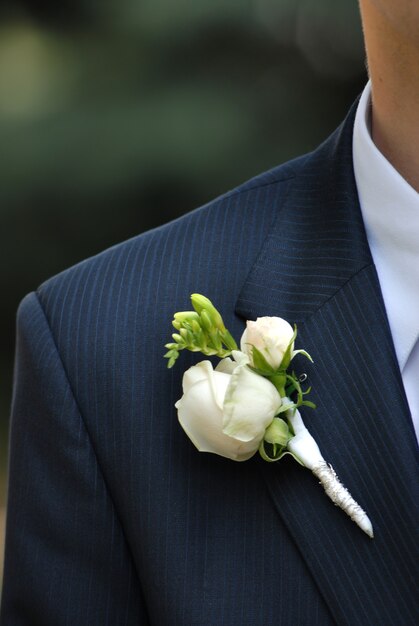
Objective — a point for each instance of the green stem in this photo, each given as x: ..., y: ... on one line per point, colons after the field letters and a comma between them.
x: 279, y: 380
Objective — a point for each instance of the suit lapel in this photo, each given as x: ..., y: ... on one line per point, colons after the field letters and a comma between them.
x: 316, y: 269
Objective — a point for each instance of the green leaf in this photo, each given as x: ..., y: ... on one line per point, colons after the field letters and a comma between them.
x: 293, y: 456
x: 311, y: 405
x: 286, y: 359
x: 304, y: 353
x: 260, y: 363
x: 286, y: 406
x: 265, y: 456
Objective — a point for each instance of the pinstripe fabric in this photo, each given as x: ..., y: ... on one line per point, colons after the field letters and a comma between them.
x: 66, y: 555
x: 316, y: 268
x: 115, y: 518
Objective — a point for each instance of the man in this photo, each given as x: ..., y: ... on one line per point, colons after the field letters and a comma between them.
x: 114, y: 517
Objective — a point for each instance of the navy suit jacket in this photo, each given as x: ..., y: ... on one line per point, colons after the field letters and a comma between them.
x: 115, y: 518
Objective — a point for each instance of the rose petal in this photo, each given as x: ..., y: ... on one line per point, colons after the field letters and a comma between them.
x: 201, y: 419
x: 251, y: 402
x: 195, y: 373
x: 270, y: 335
x: 226, y: 365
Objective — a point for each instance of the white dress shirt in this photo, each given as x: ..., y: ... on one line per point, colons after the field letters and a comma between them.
x: 390, y: 208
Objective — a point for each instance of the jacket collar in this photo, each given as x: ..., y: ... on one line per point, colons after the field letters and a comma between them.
x: 315, y: 269
x: 318, y: 240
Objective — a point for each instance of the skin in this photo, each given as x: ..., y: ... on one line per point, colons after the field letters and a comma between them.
x: 391, y: 32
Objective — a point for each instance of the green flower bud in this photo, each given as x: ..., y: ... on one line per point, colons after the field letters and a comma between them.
x: 201, y: 340
x: 171, y: 346
x: 186, y: 315
x: 206, y: 320
x: 195, y: 327
x: 216, y: 341
x: 277, y: 432
x: 187, y: 336
x: 201, y: 303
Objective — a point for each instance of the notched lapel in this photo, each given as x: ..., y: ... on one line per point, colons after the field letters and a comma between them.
x: 316, y: 269
x: 318, y: 241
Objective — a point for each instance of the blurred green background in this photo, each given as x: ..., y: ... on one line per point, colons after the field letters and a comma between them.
x: 118, y: 115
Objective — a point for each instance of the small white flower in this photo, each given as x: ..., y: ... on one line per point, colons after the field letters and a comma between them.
x: 226, y: 411
x: 271, y: 336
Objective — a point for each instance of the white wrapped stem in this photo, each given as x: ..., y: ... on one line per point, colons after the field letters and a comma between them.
x: 340, y: 496
x: 305, y: 448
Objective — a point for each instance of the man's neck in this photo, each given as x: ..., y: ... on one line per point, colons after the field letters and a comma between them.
x: 393, y: 60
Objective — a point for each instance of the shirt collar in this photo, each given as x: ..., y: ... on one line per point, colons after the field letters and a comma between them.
x: 390, y: 209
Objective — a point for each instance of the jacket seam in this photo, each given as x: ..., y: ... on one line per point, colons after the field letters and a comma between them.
x: 238, y: 191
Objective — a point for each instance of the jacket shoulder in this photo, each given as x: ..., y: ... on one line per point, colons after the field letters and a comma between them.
x: 202, y: 234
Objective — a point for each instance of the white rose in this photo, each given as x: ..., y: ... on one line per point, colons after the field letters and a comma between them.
x: 271, y: 336
x: 226, y: 411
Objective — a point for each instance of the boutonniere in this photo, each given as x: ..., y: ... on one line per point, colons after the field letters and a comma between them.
x: 250, y: 402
